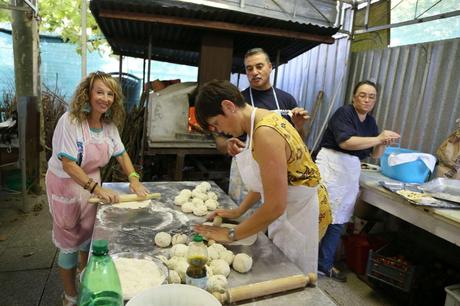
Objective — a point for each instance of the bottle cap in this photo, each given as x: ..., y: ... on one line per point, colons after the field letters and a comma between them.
x: 197, y: 238
x: 100, y: 247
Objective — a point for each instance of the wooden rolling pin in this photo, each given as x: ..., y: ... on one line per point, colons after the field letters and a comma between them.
x: 255, y: 290
x: 127, y: 198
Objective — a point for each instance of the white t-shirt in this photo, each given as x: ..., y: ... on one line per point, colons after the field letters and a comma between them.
x: 68, y: 141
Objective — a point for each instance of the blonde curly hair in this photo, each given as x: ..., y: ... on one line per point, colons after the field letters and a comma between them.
x: 82, y: 96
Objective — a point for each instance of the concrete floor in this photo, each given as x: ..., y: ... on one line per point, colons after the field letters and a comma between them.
x: 29, y: 274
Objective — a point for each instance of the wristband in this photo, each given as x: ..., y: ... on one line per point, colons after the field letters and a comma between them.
x: 94, y: 187
x: 134, y: 174
x: 88, y: 184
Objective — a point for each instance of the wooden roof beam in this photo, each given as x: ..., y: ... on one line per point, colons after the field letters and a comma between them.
x: 215, y: 25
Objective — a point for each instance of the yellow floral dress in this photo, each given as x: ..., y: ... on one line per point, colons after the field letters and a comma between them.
x: 301, y: 168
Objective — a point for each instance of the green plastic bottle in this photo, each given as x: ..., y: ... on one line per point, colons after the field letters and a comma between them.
x: 100, y: 285
x: 197, y: 256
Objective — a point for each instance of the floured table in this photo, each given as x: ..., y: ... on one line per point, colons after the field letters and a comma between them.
x: 133, y: 230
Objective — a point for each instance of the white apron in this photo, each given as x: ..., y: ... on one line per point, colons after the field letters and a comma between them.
x: 340, y: 173
x: 295, y: 232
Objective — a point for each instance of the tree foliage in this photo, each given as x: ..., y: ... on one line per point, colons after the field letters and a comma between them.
x: 64, y: 18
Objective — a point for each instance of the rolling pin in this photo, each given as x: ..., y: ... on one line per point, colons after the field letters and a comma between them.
x: 255, y: 290
x: 127, y: 198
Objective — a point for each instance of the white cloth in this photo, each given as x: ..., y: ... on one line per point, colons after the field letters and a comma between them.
x: 68, y: 141
x: 402, y: 158
x: 295, y: 232
x: 340, y: 173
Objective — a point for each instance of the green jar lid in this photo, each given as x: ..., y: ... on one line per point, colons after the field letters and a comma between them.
x: 100, y: 247
x: 197, y: 238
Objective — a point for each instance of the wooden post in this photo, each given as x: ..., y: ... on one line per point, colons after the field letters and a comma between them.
x: 215, y: 58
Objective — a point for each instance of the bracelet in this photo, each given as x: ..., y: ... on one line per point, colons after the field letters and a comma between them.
x: 94, y: 187
x: 88, y: 183
x: 134, y: 174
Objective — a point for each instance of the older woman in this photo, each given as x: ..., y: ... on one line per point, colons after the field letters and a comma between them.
x: 351, y: 136
x: 275, y: 166
x: 85, y: 139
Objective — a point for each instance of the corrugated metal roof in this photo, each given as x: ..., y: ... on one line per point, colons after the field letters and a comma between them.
x: 128, y: 26
x: 420, y: 92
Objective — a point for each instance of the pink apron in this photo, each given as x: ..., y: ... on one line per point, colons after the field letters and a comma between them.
x: 73, y: 216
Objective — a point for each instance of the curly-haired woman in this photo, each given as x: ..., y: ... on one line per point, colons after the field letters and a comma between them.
x: 85, y: 139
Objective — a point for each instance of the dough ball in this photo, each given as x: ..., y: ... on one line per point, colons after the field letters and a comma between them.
x: 179, y: 250
x: 186, y: 193
x: 174, y: 277
x: 205, y: 186
x: 211, y: 242
x: 212, y: 195
x: 181, y: 268
x: 173, y: 262
x: 208, y: 271
x: 211, y: 204
x: 197, y: 201
x: 213, y: 253
x: 242, y: 263
x: 187, y: 207
x: 163, y: 259
x: 227, y: 255
x: 200, y: 195
x: 163, y: 239
x: 179, y: 238
x: 218, y: 247
x: 179, y: 200
x: 220, y: 267
x: 200, y: 210
x: 200, y: 189
x: 217, y: 283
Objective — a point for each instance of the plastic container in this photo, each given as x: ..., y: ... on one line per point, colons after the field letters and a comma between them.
x: 197, y: 256
x: 100, y: 284
x: 174, y: 295
x: 356, y: 252
x: 452, y: 295
x: 411, y: 172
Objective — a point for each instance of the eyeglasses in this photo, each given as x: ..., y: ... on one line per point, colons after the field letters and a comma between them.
x: 363, y: 95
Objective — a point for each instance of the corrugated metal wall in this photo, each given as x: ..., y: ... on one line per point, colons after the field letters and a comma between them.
x: 322, y: 68
x: 420, y: 90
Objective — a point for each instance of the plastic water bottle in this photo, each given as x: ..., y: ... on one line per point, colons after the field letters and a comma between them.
x: 101, y: 284
x: 197, y: 256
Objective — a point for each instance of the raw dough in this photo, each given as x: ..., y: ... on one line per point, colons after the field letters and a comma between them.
x: 132, y: 205
x: 217, y: 283
x: 211, y: 204
x: 179, y: 238
x: 242, y: 263
x: 179, y: 250
x: 212, y: 195
x: 186, y: 193
x: 180, y: 199
x: 197, y: 201
x: 173, y: 262
x: 213, y: 253
x: 220, y: 266
x: 163, y: 239
x: 219, y: 247
x: 200, y: 210
x: 137, y: 274
x: 227, y: 255
x: 199, y: 195
x: 181, y: 268
x: 205, y: 186
x: 174, y: 277
x: 187, y: 207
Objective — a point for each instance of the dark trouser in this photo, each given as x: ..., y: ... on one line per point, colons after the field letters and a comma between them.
x: 328, y: 247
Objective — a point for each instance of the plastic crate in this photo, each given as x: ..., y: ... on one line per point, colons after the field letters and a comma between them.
x: 385, y: 267
x: 412, y: 172
x: 452, y: 295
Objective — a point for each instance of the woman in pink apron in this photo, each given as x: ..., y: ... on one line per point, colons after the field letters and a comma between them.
x: 84, y: 140
x: 277, y: 168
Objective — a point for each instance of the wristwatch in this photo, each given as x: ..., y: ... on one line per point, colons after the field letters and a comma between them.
x: 231, y: 234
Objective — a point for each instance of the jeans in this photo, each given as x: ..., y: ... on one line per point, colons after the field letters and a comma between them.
x: 328, y: 246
